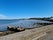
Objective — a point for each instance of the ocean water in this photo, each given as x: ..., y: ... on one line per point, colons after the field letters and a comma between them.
x: 20, y: 23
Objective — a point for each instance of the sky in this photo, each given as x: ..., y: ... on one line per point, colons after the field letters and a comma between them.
x: 15, y: 9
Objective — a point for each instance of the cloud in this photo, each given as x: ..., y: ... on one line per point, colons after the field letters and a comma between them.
x: 2, y: 16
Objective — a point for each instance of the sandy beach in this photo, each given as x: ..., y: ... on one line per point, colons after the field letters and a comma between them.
x: 32, y: 34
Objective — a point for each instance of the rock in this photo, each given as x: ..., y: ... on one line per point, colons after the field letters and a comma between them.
x: 10, y: 28
x: 16, y: 29
x: 20, y: 29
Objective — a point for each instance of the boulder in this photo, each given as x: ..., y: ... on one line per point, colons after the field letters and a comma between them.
x: 16, y: 29
x: 10, y: 28
x: 20, y: 29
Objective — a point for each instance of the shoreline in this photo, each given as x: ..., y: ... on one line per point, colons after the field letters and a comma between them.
x: 8, y: 32
x: 28, y: 34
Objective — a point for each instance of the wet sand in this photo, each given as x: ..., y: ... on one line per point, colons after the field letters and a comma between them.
x: 32, y: 34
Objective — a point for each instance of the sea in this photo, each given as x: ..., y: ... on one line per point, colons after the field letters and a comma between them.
x: 21, y: 23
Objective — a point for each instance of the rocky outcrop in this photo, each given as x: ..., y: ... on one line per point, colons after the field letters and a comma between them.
x: 10, y: 28
x: 17, y: 29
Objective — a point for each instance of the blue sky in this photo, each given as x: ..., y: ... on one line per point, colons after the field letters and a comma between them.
x: 14, y: 9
